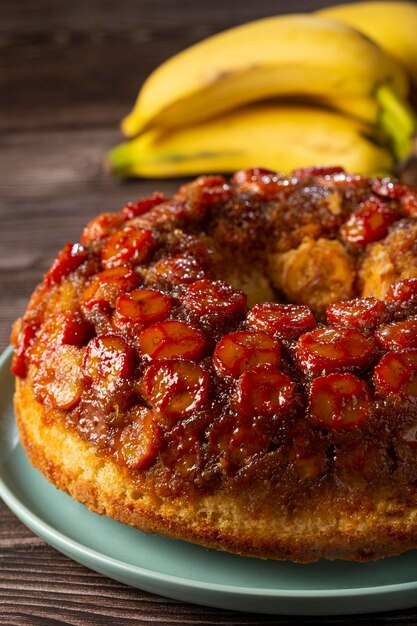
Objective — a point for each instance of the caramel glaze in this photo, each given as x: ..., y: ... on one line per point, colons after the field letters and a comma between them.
x: 230, y: 232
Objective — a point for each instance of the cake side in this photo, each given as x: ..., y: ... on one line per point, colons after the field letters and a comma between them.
x: 366, y: 527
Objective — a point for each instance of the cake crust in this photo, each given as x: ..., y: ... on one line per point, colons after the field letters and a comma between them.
x: 367, y: 529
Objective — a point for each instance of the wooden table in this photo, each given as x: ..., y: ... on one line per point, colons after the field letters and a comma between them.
x: 68, y: 72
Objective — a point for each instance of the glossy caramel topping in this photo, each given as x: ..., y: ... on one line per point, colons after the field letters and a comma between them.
x: 166, y: 339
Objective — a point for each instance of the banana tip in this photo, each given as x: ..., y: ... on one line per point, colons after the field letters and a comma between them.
x: 124, y: 126
x: 129, y: 126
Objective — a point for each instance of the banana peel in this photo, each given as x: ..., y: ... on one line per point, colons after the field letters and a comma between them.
x: 392, y: 25
x: 280, y: 56
x: 192, y: 113
x: 278, y: 137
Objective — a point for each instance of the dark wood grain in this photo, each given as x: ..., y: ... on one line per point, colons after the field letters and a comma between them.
x: 24, y: 17
x: 68, y: 72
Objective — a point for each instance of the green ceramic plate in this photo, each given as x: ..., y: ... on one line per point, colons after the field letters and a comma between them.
x: 183, y: 571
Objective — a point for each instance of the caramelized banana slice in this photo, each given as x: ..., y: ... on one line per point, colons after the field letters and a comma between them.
x: 390, y: 260
x: 317, y: 273
x: 376, y: 273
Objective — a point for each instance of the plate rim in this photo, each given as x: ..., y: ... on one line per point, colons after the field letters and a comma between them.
x: 44, y: 530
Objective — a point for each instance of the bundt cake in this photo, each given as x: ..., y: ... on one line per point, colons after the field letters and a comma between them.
x: 235, y: 366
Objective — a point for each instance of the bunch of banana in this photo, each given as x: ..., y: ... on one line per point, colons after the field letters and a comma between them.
x: 220, y: 105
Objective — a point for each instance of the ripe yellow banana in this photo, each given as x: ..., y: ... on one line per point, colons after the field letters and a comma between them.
x: 278, y: 56
x: 279, y: 137
x: 392, y: 25
x: 397, y: 119
x: 366, y: 109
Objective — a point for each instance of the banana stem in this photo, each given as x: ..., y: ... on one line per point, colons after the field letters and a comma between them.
x: 397, y: 119
x: 401, y: 144
x: 119, y: 159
